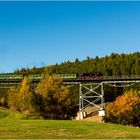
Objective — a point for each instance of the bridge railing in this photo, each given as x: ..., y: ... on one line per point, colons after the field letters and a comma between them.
x: 121, y: 77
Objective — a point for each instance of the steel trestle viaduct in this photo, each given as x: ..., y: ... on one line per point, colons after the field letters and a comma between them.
x: 91, y: 92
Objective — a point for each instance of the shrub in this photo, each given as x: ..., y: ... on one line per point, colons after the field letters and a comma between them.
x: 3, y: 97
x: 3, y: 114
x: 13, y: 99
x: 3, y: 101
x: 27, y: 116
x: 125, y: 109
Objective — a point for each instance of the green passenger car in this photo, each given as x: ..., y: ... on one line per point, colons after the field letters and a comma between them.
x: 67, y: 76
x: 35, y: 76
x: 11, y: 76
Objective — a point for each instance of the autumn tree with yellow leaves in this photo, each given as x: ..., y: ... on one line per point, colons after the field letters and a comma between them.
x: 51, y: 99
x: 125, y: 109
x: 20, y: 98
x: 55, y: 97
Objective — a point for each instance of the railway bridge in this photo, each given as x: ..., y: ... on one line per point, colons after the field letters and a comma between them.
x: 91, y: 91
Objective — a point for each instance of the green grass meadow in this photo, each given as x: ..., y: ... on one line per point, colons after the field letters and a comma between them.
x: 13, y: 127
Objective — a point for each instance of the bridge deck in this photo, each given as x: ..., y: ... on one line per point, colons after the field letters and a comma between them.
x: 101, y: 80
x: 77, y: 80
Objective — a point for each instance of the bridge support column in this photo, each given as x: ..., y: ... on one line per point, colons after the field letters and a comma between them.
x: 102, y: 97
x: 90, y: 94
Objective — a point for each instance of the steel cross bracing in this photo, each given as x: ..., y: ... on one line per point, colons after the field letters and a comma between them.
x: 93, y: 93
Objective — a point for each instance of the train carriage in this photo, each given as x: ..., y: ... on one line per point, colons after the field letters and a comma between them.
x: 67, y: 76
x: 11, y: 76
x: 84, y: 76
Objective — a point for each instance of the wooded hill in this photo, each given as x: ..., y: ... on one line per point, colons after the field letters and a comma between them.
x: 112, y: 65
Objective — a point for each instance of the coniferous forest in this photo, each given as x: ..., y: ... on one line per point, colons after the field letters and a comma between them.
x: 112, y: 65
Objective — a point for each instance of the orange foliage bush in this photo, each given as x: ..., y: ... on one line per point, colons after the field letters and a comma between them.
x: 125, y: 109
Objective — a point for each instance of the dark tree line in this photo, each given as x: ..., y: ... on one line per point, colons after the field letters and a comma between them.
x: 113, y: 65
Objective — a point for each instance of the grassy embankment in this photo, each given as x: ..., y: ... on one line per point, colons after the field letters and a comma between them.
x: 13, y: 127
